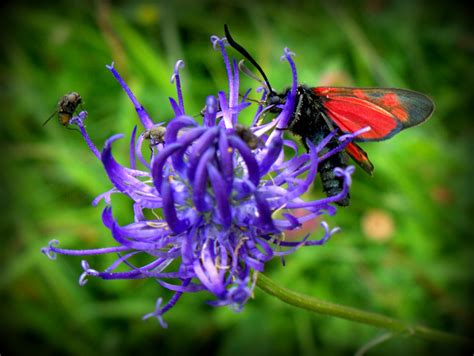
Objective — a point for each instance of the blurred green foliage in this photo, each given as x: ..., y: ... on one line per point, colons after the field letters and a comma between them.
x: 422, y: 271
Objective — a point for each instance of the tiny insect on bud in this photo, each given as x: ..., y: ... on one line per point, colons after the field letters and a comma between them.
x: 247, y: 136
x: 67, y: 106
x: 156, y: 135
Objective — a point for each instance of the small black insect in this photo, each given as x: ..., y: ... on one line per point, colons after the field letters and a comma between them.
x: 247, y: 136
x: 156, y: 135
x: 67, y: 106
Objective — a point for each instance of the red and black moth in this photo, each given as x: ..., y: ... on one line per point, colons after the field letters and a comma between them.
x: 321, y: 110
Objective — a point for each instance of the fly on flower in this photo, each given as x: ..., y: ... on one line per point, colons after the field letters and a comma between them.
x: 67, y: 106
x: 155, y: 135
x: 247, y: 136
x: 379, y: 112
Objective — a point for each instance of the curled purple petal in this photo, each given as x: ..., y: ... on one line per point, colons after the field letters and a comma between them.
x: 271, y: 156
x: 221, y: 198
x: 248, y: 157
x: 142, y: 114
x: 175, y: 79
x: 159, y: 164
x: 169, y: 210
x: 79, y: 121
x: 201, y: 181
x: 210, y: 112
x: 49, y: 251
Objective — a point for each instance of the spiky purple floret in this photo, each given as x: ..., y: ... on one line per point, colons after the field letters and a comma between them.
x: 218, y: 199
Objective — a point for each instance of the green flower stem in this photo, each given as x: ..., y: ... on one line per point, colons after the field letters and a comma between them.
x: 360, y: 316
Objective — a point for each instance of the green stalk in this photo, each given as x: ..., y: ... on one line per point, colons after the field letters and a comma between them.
x: 357, y: 315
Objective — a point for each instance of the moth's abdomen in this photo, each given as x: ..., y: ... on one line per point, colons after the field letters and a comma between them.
x: 333, y: 185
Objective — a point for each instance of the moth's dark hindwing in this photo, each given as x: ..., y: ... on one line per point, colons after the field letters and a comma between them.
x: 309, y: 122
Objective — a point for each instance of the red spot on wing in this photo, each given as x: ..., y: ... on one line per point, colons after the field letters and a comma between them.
x: 400, y: 113
x: 390, y: 100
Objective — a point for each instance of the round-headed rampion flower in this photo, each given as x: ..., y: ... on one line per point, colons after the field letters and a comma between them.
x: 220, y: 206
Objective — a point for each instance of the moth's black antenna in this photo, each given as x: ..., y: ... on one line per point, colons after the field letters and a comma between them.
x: 247, y: 55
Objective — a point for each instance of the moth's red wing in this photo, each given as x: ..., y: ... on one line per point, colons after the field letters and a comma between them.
x: 385, y: 111
x: 359, y: 156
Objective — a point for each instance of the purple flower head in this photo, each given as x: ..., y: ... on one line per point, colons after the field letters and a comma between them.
x: 219, y: 205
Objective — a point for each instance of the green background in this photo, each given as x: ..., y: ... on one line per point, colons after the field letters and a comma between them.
x: 422, y: 272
